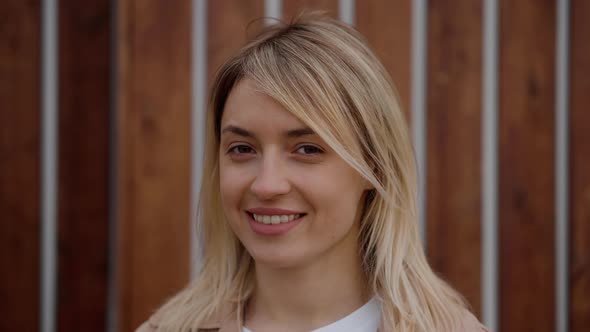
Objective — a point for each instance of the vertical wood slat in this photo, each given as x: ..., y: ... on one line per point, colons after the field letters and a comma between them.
x: 579, y: 164
x: 230, y: 24
x: 526, y: 188
x: 454, y: 145
x: 387, y: 27
x: 291, y: 8
x: 228, y: 29
x: 19, y: 164
x: 153, y: 155
x: 84, y: 63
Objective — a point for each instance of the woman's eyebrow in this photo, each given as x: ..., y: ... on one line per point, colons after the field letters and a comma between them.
x: 238, y: 131
x: 294, y: 133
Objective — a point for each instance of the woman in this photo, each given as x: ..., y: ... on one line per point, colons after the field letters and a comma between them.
x: 309, y: 197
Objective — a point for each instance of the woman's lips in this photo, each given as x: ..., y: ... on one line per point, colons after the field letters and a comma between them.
x: 265, y: 221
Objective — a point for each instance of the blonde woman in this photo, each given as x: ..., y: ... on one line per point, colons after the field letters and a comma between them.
x: 308, y: 203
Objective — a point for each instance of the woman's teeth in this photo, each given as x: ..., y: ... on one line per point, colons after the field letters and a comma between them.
x: 276, y: 219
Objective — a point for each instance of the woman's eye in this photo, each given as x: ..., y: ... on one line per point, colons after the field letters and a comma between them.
x: 309, y: 149
x: 241, y: 149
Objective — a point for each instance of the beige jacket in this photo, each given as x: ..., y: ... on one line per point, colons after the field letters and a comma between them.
x: 229, y: 323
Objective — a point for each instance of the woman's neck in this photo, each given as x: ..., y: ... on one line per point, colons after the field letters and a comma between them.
x: 305, y: 298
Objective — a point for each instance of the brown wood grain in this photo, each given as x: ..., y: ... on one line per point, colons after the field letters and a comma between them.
x: 153, y: 155
x: 580, y: 167
x: 387, y: 25
x: 20, y: 79
x: 526, y: 166
x: 84, y: 106
x: 231, y: 23
x: 291, y: 8
x: 453, y: 209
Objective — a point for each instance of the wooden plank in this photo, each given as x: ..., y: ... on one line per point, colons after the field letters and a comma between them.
x: 153, y: 155
x: 579, y: 166
x: 231, y: 23
x: 19, y: 164
x: 526, y: 166
x: 84, y: 104
x: 291, y: 8
x: 388, y: 28
x: 454, y: 144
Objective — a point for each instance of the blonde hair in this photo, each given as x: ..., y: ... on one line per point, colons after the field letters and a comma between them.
x: 323, y: 72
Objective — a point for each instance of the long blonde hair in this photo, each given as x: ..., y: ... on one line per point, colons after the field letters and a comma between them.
x: 323, y: 72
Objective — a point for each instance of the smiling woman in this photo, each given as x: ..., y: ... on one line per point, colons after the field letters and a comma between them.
x: 282, y: 179
x: 309, y: 197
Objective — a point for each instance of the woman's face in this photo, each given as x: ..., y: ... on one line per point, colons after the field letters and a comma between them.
x: 289, y: 198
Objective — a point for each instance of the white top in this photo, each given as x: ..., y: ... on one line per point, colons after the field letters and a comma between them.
x: 364, y: 319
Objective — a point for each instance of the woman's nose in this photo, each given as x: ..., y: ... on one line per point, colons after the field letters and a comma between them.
x: 271, y: 180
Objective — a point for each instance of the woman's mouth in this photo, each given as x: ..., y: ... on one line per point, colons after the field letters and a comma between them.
x: 273, y: 222
x: 274, y: 219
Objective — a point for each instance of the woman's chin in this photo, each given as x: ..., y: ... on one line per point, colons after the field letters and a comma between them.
x: 276, y: 259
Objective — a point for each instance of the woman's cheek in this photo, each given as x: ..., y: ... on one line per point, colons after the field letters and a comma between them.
x: 233, y: 185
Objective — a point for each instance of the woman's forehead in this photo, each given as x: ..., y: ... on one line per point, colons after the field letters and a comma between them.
x: 246, y: 104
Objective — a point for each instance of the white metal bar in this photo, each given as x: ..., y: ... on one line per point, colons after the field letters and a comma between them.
x: 273, y: 9
x: 49, y: 150
x: 489, y: 273
x: 347, y: 11
x: 199, y: 109
x: 419, y: 130
x: 562, y: 166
